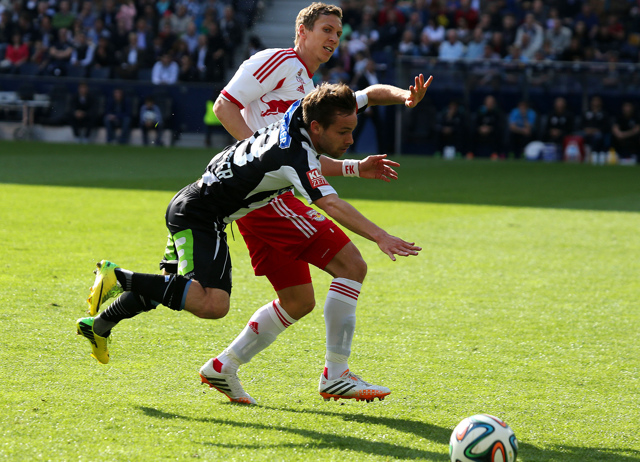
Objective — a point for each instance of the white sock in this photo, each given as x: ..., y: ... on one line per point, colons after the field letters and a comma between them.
x: 340, y: 321
x: 260, y: 332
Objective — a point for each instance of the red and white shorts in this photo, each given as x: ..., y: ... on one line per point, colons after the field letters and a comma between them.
x: 285, y: 236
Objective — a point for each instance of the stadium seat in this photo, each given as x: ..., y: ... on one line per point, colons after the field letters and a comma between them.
x: 78, y: 72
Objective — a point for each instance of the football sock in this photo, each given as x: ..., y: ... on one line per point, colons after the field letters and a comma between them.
x: 126, y: 306
x: 170, y: 290
x: 340, y: 322
x: 260, y: 332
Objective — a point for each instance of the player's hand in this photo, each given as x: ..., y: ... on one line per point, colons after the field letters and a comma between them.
x: 393, y: 246
x: 378, y: 167
x: 418, y: 91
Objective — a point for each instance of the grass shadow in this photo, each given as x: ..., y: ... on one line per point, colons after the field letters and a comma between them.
x: 418, y: 429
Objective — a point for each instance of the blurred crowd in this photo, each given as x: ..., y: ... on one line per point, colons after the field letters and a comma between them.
x: 508, y: 30
x: 168, y: 41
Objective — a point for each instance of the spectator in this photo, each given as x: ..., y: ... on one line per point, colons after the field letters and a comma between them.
x: 515, y: 54
x: 469, y: 14
x: 522, y: 121
x: 144, y: 37
x: 588, y: 17
x: 118, y: 115
x: 120, y: 36
x: 16, y: 54
x: 190, y: 37
x: 167, y: 35
x: 425, y: 47
x: 165, y: 71
x: 488, y: 129
x: 626, y: 132
x: 87, y: 16
x: 596, y: 126
x: 130, y: 59
x: 217, y: 49
x: 181, y: 20
x: 60, y: 54
x: 64, y: 18
x: 26, y: 29
x: 451, y: 128
x: 391, y: 30
x: 415, y: 24
x: 99, y: 30
x: 109, y: 15
x: 475, y: 48
x: 6, y: 29
x: 231, y: 30
x: 201, y: 57
x: 188, y: 72
x: 435, y: 32
x: 361, y: 81
x: 559, y: 38
x: 46, y: 33
x: 104, y: 55
x: 83, y: 109
x: 535, y: 33
x: 390, y: 12
x: 574, y: 52
x: 559, y: 123
x: 127, y: 13
x: 407, y: 45
x: 540, y: 12
x: 509, y: 29
x: 366, y: 33
x: 82, y: 55
x: 451, y: 49
x: 151, y: 119
x: 255, y: 45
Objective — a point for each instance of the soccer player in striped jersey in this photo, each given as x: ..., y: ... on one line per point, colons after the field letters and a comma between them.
x: 246, y: 176
x: 283, y: 237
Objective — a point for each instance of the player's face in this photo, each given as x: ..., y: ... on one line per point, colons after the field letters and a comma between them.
x: 336, y: 138
x: 324, y: 38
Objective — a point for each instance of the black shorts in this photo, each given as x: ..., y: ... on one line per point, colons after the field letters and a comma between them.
x: 197, y: 241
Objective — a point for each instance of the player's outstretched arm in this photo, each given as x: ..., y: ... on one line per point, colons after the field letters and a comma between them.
x: 347, y: 215
x: 385, y: 95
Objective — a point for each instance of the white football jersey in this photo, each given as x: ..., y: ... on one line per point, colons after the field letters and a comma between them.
x: 268, y: 83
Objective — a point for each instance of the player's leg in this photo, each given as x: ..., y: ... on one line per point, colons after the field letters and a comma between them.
x: 292, y: 281
x: 348, y: 270
x: 202, y: 285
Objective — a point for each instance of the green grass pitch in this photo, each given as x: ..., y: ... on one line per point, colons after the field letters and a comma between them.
x: 523, y: 304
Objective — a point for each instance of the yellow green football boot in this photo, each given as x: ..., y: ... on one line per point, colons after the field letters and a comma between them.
x: 104, y: 287
x: 100, y: 351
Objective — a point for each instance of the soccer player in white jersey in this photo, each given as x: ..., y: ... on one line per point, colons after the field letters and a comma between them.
x: 286, y: 236
x: 246, y: 176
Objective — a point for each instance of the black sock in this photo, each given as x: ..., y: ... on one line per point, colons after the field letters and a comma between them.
x: 169, y: 290
x: 126, y: 306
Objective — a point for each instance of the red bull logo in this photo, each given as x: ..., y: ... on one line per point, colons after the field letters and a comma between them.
x: 276, y: 106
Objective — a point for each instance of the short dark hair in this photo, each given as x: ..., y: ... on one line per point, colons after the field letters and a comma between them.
x: 326, y: 102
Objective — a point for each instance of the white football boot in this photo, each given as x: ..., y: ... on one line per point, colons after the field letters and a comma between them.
x: 350, y: 386
x: 227, y: 384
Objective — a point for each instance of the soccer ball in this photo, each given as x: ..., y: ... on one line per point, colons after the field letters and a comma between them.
x: 483, y: 438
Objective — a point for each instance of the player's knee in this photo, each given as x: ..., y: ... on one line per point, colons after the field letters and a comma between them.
x: 298, y: 308
x: 358, y: 269
x: 213, y: 309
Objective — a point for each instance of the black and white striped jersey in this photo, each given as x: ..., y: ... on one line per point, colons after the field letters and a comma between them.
x: 248, y: 174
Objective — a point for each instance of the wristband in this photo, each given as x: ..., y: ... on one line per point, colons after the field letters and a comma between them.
x: 350, y: 167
